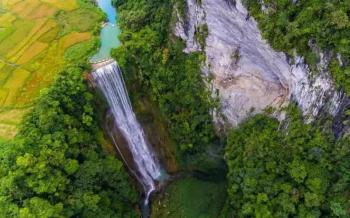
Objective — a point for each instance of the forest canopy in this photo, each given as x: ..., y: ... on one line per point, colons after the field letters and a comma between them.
x: 310, y: 27
x: 155, y: 61
x: 55, y: 166
x: 287, y: 169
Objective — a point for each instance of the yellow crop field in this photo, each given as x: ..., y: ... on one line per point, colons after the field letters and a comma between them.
x: 7, y: 19
x: 44, y: 10
x: 50, y: 35
x: 34, y: 35
x: 14, y: 84
x: 7, y: 131
x: 21, y: 30
x: 74, y: 38
x: 24, y: 8
x: 25, y: 42
x: 5, y: 32
x: 35, y: 49
x: 39, y: 29
x: 13, y: 116
x: 3, y: 96
x: 63, y: 5
x: 5, y: 72
x: 8, y: 3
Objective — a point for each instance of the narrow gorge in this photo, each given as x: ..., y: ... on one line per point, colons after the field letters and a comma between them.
x: 174, y: 108
x: 240, y: 69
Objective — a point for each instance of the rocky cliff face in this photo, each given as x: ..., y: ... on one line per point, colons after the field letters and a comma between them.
x: 248, y: 74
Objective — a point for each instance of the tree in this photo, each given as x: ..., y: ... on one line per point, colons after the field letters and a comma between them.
x: 55, y: 167
x: 290, y: 26
x: 157, y: 68
x: 286, y: 170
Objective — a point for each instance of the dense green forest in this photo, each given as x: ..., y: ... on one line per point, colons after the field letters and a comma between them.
x: 308, y: 27
x: 55, y: 167
x: 288, y: 169
x: 291, y: 168
x: 157, y: 67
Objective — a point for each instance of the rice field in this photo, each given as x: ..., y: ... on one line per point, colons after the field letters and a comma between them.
x: 34, y: 35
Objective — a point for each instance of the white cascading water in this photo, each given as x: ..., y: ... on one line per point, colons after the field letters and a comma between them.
x: 110, y: 81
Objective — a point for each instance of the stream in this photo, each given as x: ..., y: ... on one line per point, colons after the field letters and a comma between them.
x: 109, y: 33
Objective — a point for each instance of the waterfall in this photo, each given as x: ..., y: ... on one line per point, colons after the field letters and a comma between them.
x: 110, y: 81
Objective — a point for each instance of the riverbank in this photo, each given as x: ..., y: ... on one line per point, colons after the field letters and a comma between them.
x: 109, y: 32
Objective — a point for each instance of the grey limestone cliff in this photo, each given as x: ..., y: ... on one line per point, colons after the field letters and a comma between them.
x: 248, y: 74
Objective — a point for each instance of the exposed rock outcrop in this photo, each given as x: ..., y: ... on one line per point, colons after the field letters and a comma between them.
x: 248, y: 74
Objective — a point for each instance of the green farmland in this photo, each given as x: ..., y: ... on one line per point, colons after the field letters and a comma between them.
x: 36, y: 37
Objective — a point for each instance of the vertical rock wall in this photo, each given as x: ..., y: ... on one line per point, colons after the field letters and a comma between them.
x: 248, y: 74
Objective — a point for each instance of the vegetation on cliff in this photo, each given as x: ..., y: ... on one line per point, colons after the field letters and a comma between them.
x: 309, y: 27
x: 55, y: 166
x: 292, y: 168
x: 156, y: 68
x: 155, y: 64
x: 287, y: 169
